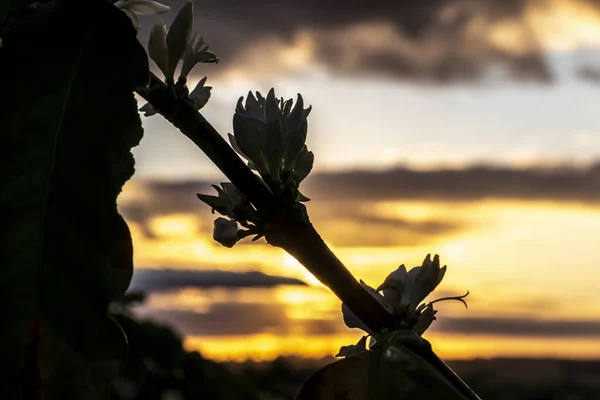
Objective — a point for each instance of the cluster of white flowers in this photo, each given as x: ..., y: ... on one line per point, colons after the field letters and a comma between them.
x: 270, y: 134
x: 168, y: 47
x: 402, y: 294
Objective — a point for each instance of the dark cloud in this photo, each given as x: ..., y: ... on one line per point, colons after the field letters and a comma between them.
x: 344, y: 226
x: 429, y: 41
x: 157, y: 280
x: 237, y: 318
x: 475, y: 183
x: 169, y: 197
x: 225, y: 319
x: 338, y: 210
x: 518, y: 327
x: 359, y: 227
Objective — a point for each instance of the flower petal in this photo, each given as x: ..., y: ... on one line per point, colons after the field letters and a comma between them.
x: 206, y: 57
x: 235, y: 146
x: 201, y: 94
x: 301, y: 198
x: 441, y: 275
x: 232, y: 192
x: 297, y: 127
x: 144, y: 7
x: 179, y: 35
x: 133, y: 18
x: 426, y: 317
x: 304, y: 163
x: 409, y: 287
x: 198, y: 86
x: 250, y: 135
x: 426, y: 280
x: 393, y: 287
x: 215, y: 203
x: 188, y: 56
x: 157, y: 47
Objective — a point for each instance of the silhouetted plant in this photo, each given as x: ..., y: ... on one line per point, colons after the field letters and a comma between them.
x: 70, y: 124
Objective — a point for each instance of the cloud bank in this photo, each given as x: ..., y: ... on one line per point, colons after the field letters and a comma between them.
x: 160, y: 280
x: 430, y: 41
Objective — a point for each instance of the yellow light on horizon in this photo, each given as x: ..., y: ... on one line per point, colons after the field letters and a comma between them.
x: 264, y: 347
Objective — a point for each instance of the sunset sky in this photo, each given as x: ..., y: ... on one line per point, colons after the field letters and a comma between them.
x: 464, y: 128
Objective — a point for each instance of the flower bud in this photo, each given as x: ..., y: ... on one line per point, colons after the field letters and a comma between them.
x: 225, y: 232
x: 271, y: 135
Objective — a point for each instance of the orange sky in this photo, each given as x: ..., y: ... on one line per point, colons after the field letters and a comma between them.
x: 531, y: 260
x: 522, y: 242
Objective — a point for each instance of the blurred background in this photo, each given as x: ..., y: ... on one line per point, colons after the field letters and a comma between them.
x: 463, y: 128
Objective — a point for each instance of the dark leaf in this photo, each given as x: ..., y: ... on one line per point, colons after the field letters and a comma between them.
x: 65, y: 147
x: 344, y: 379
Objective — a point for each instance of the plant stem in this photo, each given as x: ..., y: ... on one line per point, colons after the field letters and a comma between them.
x: 289, y: 228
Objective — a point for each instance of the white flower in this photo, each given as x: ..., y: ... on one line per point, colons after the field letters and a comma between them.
x: 196, y: 51
x: 225, y: 232
x: 402, y: 293
x: 133, y: 8
x: 167, y: 48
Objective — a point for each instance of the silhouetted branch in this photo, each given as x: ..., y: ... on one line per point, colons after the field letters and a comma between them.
x: 287, y: 227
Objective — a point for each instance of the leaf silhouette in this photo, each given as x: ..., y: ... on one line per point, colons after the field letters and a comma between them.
x: 393, y: 370
x: 67, y: 130
x: 345, y: 379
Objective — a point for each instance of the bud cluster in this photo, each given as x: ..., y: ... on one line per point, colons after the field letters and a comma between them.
x: 402, y: 293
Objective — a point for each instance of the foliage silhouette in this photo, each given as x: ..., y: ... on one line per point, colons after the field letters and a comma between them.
x: 156, y: 365
x: 66, y: 252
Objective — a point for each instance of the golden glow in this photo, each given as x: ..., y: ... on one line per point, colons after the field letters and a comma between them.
x: 274, y: 54
x: 174, y: 225
x: 555, y: 25
x: 487, y: 346
x: 269, y: 346
x: 519, y: 259
x: 304, y: 303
